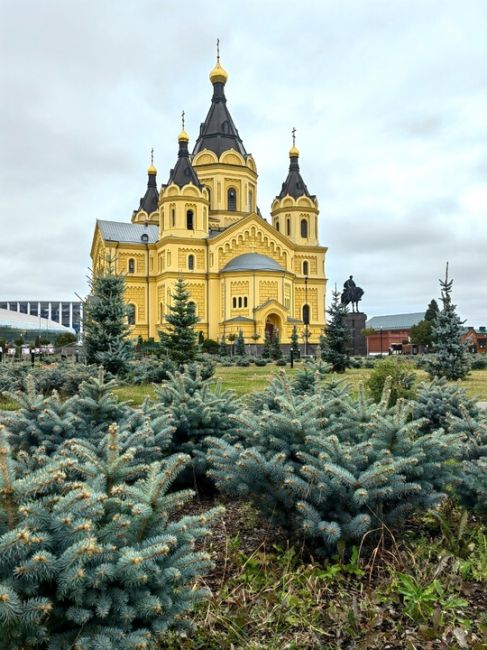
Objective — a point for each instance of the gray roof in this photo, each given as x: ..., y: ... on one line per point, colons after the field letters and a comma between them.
x: 395, y: 321
x: 17, y: 320
x: 130, y: 233
x: 252, y: 262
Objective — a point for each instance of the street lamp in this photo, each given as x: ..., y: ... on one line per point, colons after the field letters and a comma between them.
x: 380, y: 329
x: 306, y: 316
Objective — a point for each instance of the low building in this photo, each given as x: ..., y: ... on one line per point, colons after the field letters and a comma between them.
x: 391, y: 332
x: 476, y: 340
x: 15, y: 324
x: 65, y: 313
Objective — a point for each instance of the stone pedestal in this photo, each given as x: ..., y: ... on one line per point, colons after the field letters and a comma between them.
x: 356, y: 324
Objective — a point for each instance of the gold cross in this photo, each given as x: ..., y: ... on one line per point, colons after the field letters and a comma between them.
x: 152, y: 156
x: 182, y: 119
x: 294, y: 136
x: 218, y: 49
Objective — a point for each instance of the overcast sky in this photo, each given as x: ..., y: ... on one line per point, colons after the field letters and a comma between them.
x: 389, y: 99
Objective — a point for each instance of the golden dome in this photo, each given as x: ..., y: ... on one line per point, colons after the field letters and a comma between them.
x: 218, y: 74
x: 151, y: 170
x: 183, y: 136
x: 293, y: 152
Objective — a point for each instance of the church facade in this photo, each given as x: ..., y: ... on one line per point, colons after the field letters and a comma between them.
x: 203, y: 225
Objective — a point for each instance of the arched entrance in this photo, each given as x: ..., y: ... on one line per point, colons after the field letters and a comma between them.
x: 272, y: 325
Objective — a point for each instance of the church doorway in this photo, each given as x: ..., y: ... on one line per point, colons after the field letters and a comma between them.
x: 272, y: 325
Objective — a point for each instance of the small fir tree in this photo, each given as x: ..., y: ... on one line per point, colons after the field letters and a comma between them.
x: 266, y: 349
x: 294, y: 343
x: 432, y: 311
x: 276, y: 352
x: 106, y: 332
x: 451, y: 359
x: 179, y: 341
x: 335, y: 345
x: 223, y: 348
x: 240, y: 344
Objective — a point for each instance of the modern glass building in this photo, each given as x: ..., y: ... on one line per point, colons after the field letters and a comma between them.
x: 68, y: 314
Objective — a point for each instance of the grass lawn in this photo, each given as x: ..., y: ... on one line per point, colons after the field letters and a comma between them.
x: 253, y: 378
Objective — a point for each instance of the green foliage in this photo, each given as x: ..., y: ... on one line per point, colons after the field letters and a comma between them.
x: 210, y: 346
x: 335, y: 345
x: 309, y: 376
x: 148, y: 371
x: 402, y: 379
x: 179, y: 342
x: 102, y: 561
x: 266, y: 349
x: 105, y: 326
x: 65, y: 339
x: 294, y: 348
x: 62, y: 377
x: 422, y: 333
x: 275, y: 347
x: 432, y: 311
x: 451, y: 359
x: 240, y: 344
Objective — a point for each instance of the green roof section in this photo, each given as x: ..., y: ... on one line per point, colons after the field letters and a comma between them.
x: 395, y: 321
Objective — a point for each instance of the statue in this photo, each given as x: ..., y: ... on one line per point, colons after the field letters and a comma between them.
x: 351, y: 294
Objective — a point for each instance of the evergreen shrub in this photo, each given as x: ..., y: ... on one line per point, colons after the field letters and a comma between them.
x: 149, y: 371
x: 261, y: 362
x: 402, y: 379
x: 331, y: 467
x: 102, y: 561
x: 281, y: 362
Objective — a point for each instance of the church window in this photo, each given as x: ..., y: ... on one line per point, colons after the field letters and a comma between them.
x: 234, y: 302
x: 189, y: 220
x: 232, y: 199
x: 305, y: 268
x: 250, y: 200
x: 306, y: 314
x: 173, y: 218
x: 131, y: 314
x: 277, y: 225
x: 304, y: 229
x: 288, y: 227
x: 131, y: 265
x: 240, y: 302
x: 245, y: 301
x: 191, y: 262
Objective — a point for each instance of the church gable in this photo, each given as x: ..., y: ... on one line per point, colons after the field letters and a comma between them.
x: 251, y: 236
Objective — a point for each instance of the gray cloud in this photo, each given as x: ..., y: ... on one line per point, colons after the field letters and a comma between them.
x: 389, y: 100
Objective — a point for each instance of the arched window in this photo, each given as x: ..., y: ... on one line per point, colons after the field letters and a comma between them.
x: 232, y: 199
x: 234, y: 303
x: 173, y: 218
x: 305, y: 268
x: 131, y: 265
x: 306, y: 314
x: 189, y: 220
x: 191, y: 262
x: 240, y: 302
x: 245, y: 301
x: 277, y: 225
x: 304, y: 229
x: 288, y: 227
x: 131, y: 314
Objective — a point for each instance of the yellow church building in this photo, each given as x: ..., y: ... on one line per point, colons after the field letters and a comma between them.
x: 204, y: 226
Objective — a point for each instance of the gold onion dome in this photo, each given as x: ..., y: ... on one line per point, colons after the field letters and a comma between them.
x: 151, y: 170
x: 218, y: 74
x: 293, y: 152
x: 183, y: 136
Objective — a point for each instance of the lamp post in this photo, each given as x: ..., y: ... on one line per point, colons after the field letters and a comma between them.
x: 306, y: 316
x: 380, y: 329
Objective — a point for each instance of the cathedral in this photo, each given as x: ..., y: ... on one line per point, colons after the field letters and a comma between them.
x: 204, y: 225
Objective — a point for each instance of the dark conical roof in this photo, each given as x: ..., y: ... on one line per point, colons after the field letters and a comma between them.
x: 183, y: 172
x: 150, y: 201
x: 218, y: 132
x: 294, y: 184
